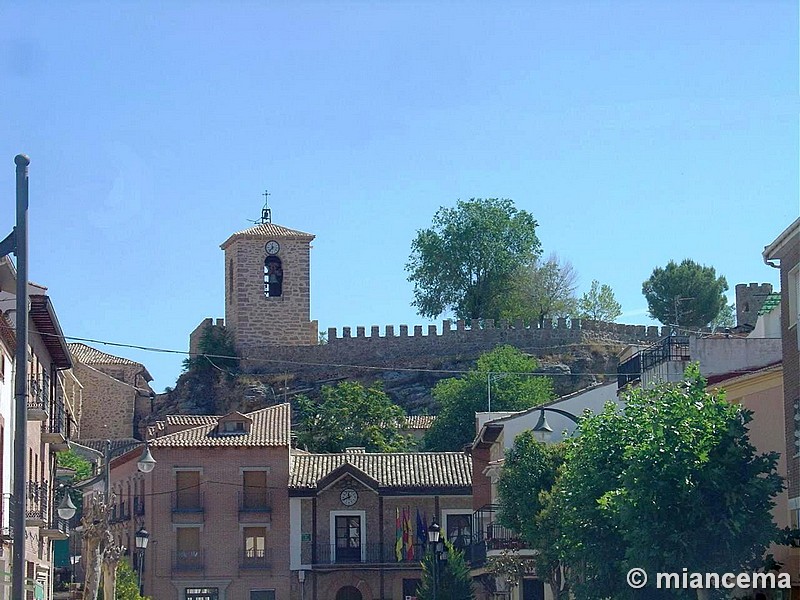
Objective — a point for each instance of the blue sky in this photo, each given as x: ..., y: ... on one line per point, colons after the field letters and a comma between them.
x: 635, y: 132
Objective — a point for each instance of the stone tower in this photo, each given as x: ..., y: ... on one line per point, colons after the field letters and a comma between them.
x: 749, y: 299
x: 267, y: 287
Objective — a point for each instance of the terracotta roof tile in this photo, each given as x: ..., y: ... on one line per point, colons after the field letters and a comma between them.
x: 191, y: 419
x: 270, y: 427
x: 269, y: 230
x: 92, y: 356
x: 419, y: 421
x: 391, y: 470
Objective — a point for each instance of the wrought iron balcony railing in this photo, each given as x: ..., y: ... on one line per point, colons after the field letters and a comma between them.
x: 256, y: 559
x: 255, y: 501
x: 138, y: 506
x: 188, y: 502
x: 188, y: 561
x: 36, y: 502
x: 370, y: 553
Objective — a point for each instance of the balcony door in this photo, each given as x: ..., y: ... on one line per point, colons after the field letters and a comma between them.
x: 348, y: 538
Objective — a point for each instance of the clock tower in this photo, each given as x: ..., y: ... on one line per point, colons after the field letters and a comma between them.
x: 267, y: 287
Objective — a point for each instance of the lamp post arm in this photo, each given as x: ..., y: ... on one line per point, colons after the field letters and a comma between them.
x: 563, y: 413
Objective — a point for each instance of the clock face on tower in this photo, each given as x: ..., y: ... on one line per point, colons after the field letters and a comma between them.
x: 272, y: 247
x: 348, y: 496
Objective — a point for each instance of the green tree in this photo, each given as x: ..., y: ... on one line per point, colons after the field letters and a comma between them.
x: 508, y: 372
x: 725, y: 318
x: 453, y: 577
x: 69, y: 460
x: 466, y: 262
x: 599, y: 303
x: 541, y: 290
x: 351, y: 415
x: 529, y: 473
x: 670, y: 481
x: 217, y: 352
x: 687, y: 294
x: 127, y: 583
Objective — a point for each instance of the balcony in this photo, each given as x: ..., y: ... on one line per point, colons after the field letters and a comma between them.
x: 9, y: 510
x: 255, y: 559
x: 490, y: 538
x: 36, y: 502
x: 38, y: 392
x: 254, y: 502
x: 188, y: 508
x: 57, y: 529
x: 188, y: 561
x: 120, y: 513
x: 56, y: 432
x: 328, y: 555
x: 674, y: 348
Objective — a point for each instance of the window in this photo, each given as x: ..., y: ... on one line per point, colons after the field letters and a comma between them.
x: 793, y: 283
x: 348, y: 538
x: 273, y: 277
x: 187, y: 491
x: 255, y: 540
x: 188, y: 553
x: 458, y: 528
x: 202, y: 593
x: 262, y: 595
x: 233, y: 427
x: 254, y: 492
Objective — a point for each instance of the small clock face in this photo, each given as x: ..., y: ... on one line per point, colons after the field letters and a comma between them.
x: 272, y: 247
x: 349, y: 496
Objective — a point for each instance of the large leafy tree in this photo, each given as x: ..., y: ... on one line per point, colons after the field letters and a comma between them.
x: 687, y: 294
x: 542, y: 290
x: 599, y: 303
x: 670, y: 481
x: 467, y: 260
x: 529, y: 473
x: 451, y: 578
x: 350, y: 415
x: 513, y: 387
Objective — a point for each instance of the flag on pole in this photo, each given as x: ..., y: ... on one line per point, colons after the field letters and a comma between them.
x: 422, y: 530
x: 408, y: 534
x: 398, y: 543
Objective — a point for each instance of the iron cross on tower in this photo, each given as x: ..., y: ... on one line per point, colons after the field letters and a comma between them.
x: 266, y: 212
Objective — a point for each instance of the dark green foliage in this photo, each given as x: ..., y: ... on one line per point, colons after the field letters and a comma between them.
x: 691, y: 289
x: 459, y: 398
x: 217, y: 353
x: 541, y: 290
x: 351, y: 415
x: 529, y: 473
x: 671, y: 481
x: 454, y: 579
x: 82, y: 467
x: 599, y: 304
x: 467, y: 260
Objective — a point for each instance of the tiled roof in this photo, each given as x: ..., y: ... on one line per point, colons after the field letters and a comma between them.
x: 117, y: 446
x: 270, y: 427
x: 394, y: 470
x: 269, y: 230
x: 191, y: 419
x: 156, y: 429
x: 92, y: 356
x: 770, y: 302
x: 419, y: 421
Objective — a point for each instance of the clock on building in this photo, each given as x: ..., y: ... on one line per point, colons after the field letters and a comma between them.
x: 348, y: 496
x: 272, y: 247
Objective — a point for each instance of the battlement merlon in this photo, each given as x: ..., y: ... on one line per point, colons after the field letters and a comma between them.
x: 569, y: 328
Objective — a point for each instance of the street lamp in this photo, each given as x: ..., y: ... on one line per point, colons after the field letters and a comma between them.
x: 146, y: 464
x: 542, y: 430
x: 142, y: 537
x: 66, y: 509
x: 434, y: 533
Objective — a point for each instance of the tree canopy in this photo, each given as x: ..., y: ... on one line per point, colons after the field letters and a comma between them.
x: 351, y: 415
x: 668, y: 482
x: 467, y: 260
x: 453, y: 577
x: 508, y: 372
x: 541, y: 290
x: 687, y: 294
x: 599, y: 304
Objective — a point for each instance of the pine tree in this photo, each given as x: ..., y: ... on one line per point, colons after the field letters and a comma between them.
x: 454, y: 580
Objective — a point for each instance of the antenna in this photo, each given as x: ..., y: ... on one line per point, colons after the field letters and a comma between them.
x: 266, y: 212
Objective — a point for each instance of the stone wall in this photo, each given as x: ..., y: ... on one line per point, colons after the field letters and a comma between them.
x: 111, y: 407
x: 749, y: 299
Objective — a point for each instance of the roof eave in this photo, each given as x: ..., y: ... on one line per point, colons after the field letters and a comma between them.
x: 780, y: 242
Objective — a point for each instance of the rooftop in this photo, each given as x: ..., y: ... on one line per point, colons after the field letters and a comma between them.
x: 268, y: 230
x: 270, y: 427
x: 92, y: 356
x: 389, y: 470
x: 770, y: 303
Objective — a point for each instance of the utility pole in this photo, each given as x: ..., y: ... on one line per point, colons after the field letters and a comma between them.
x: 20, y: 234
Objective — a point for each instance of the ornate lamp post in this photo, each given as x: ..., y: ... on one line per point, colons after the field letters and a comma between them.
x: 142, y: 537
x: 434, y: 533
